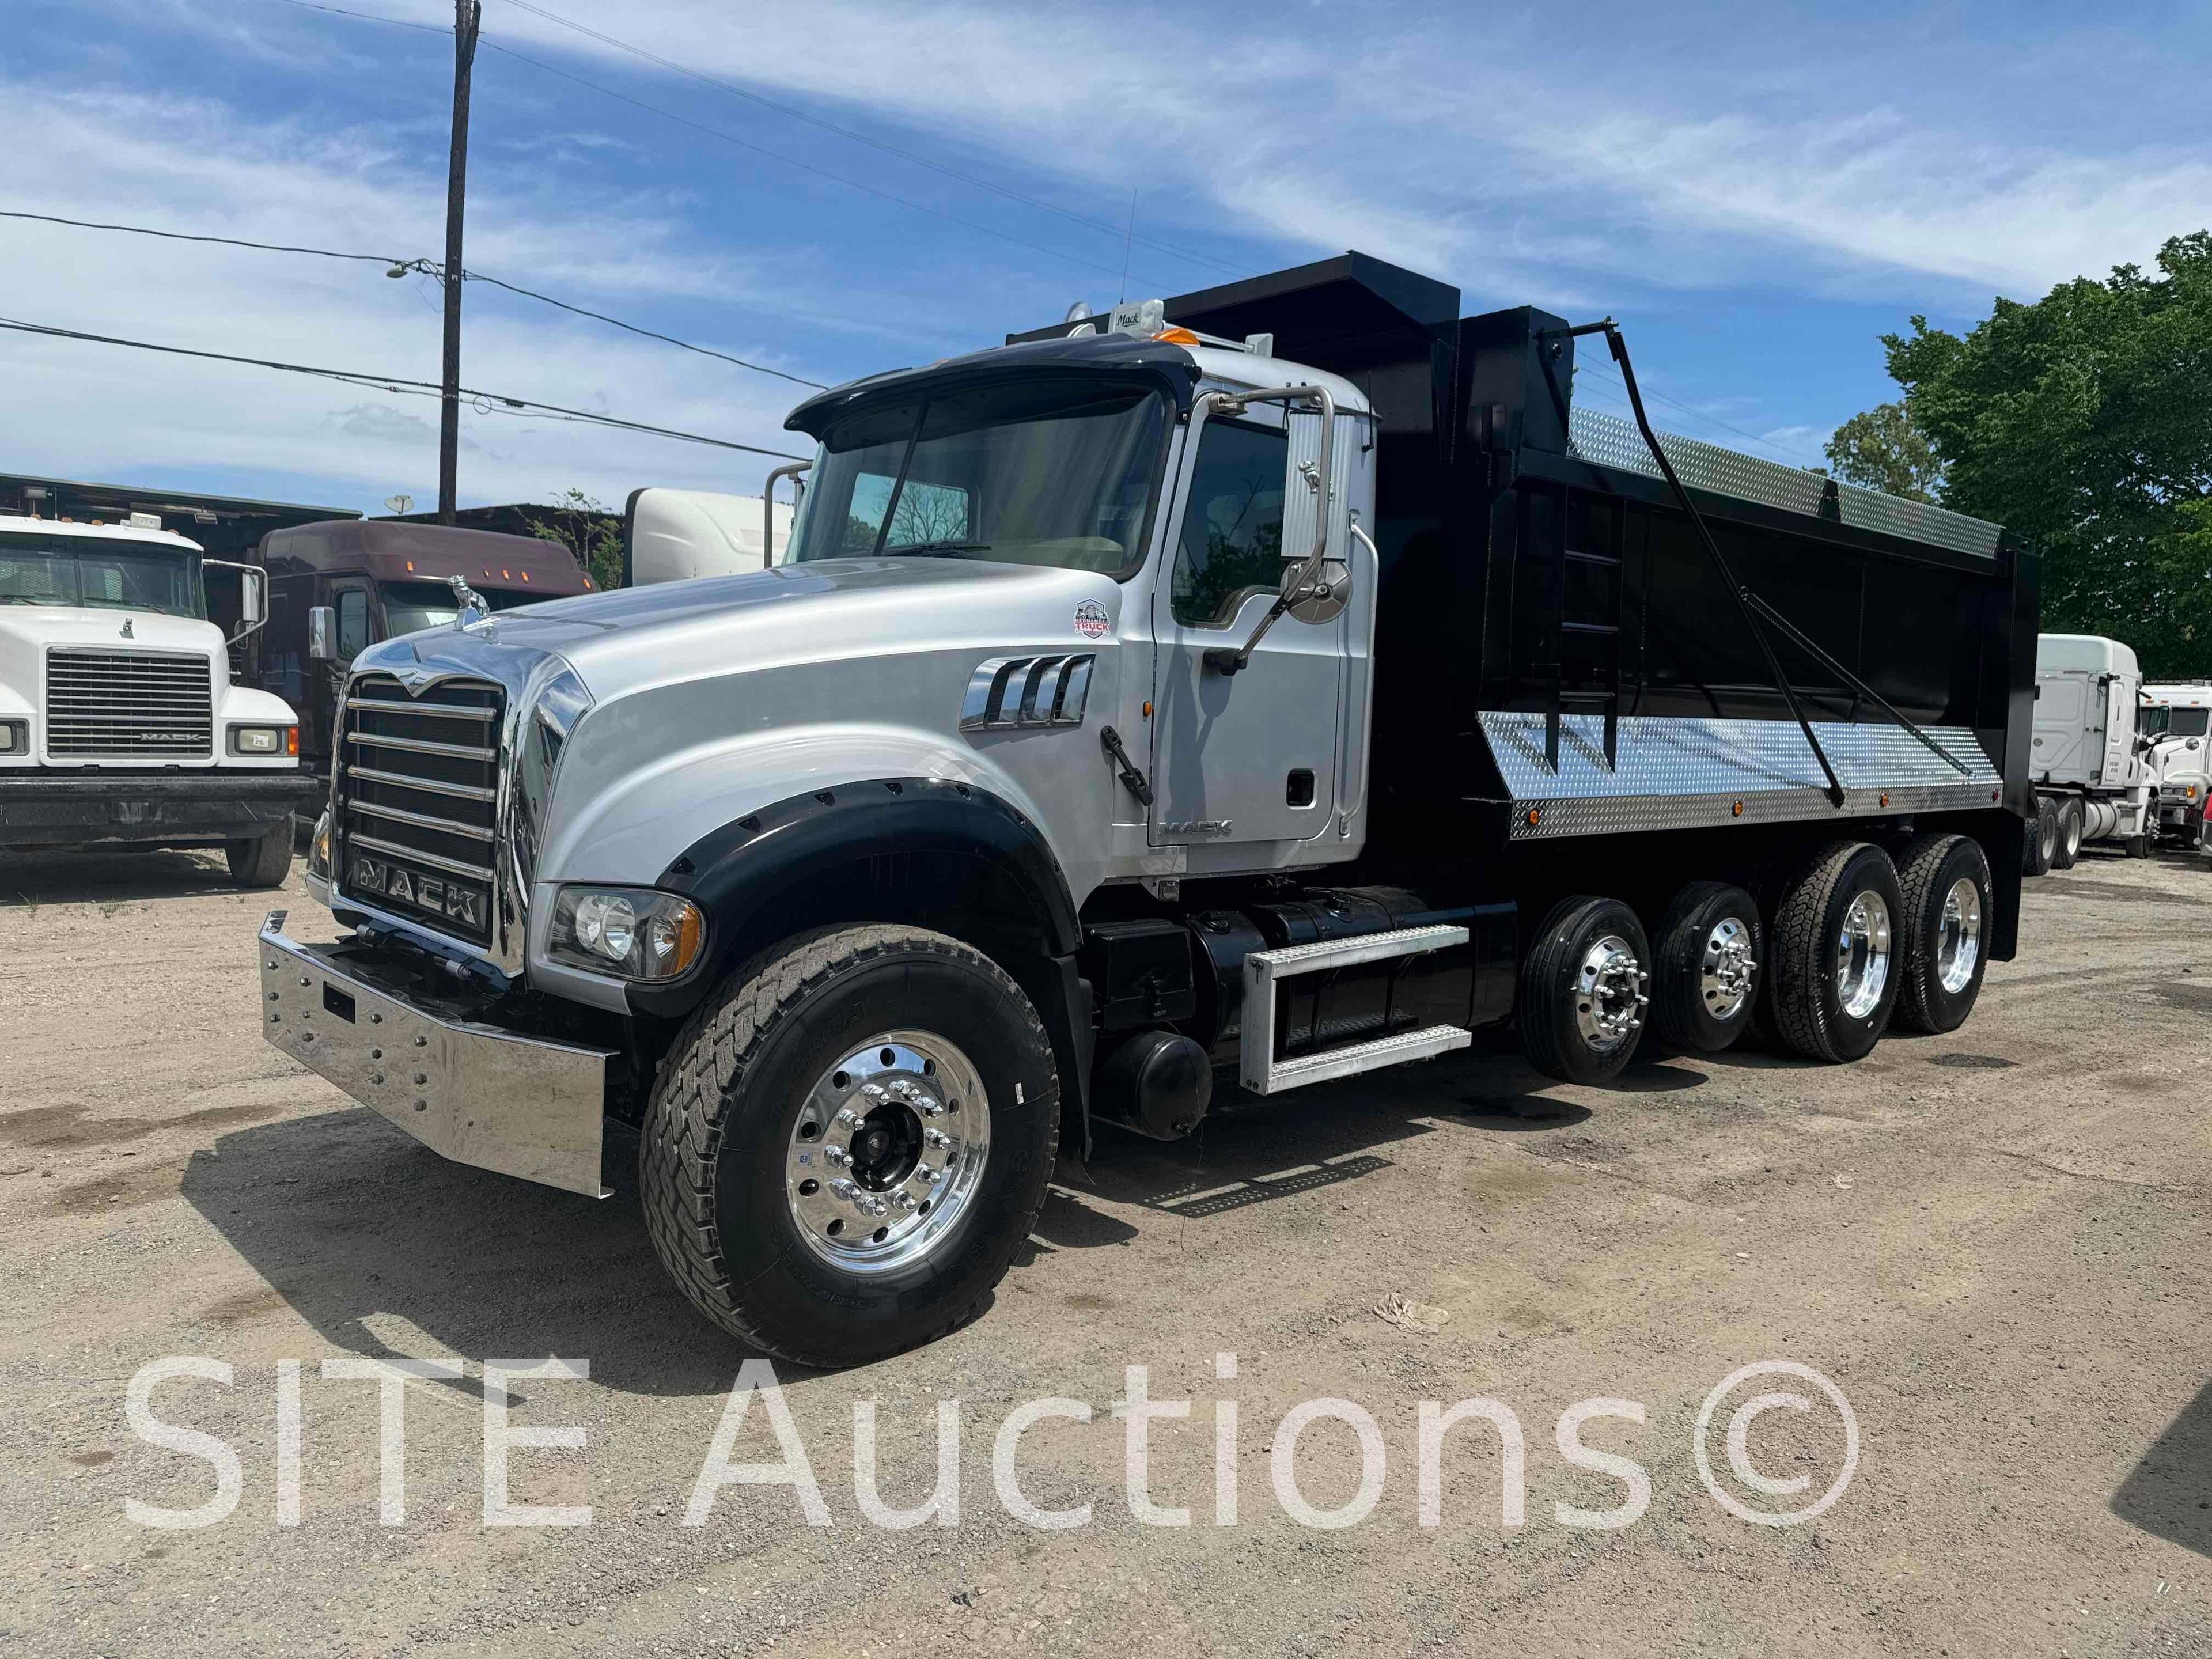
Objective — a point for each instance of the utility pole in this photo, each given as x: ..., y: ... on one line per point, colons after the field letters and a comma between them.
x: 467, y: 14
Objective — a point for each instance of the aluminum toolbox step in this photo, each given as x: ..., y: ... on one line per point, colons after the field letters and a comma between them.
x: 1261, y: 1072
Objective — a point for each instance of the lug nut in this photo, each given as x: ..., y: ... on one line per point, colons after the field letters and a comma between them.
x: 931, y: 1109
x: 872, y: 1091
x: 903, y: 1199
x: 844, y: 1189
x: 936, y: 1138
x: 926, y: 1175
x: 848, y: 1119
x: 836, y: 1157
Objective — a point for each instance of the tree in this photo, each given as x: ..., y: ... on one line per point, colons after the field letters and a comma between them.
x: 587, y: 529
x: 1884, y: 449
x: 2083, y: 421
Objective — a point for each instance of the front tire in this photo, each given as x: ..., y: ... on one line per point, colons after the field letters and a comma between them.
x: 1832, y: 950
x: 1583, y: 996
x: 1945, y: 882
x: 1705, y: 977
x: 265, y: 861
x: 878, y: 1041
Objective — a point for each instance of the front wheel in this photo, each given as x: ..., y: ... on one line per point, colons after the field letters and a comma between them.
x: 1833, y: 950
x: 1582, y: 992
x: 846, y: 1146
x: 262, y: 862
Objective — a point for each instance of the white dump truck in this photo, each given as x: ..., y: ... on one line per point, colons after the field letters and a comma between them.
x: 119, y: 725
x: 2090, y: 760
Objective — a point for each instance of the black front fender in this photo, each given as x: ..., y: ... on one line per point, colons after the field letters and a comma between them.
x: 743, y: 874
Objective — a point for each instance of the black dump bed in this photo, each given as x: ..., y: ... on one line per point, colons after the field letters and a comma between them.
x: 1557, y: 655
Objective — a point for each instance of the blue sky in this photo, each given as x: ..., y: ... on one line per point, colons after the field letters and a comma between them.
x: 1756, y: 191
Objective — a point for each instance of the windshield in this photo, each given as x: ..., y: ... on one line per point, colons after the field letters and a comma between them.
x: 113, y: 575
x: 411, y: 607
x: 1046, y: 474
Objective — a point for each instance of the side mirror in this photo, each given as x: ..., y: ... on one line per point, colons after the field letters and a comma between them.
x: 322, y: 633
x: 253, y: 598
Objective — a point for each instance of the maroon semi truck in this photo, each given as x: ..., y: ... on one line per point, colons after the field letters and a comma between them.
x: 338, y: 587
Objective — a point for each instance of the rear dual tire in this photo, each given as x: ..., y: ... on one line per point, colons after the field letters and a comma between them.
x: 1834, y: 952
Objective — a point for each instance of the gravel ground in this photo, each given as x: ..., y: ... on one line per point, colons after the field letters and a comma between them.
x: 1991, y: 1242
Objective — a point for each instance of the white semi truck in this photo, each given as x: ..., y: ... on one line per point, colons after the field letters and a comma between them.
x: 119, y: 725
x: 2090, y: 760
x: 2177, y: 719
x: 1269, y: 685
x: 678, y: 535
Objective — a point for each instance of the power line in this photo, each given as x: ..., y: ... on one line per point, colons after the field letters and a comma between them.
x: 797, y: 114
x: 835, y: 177
x: 392, y: 383
x: 428, y: 268
x: 650, y: 334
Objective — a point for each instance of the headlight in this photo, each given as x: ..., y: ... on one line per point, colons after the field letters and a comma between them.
x: 319, y: 850
x: 14, y: 737
x: 264, y: 739
x: 638, y: 933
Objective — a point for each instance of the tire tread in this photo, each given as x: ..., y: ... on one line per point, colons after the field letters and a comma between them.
x: 688, y: 1113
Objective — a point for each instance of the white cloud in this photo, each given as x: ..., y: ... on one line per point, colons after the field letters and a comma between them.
x: 194, y: 165
x: 1877, y: 189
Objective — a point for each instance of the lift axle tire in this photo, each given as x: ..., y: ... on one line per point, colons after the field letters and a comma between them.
x: 1705, y: 980
x: 1832, y: 953
x: 726, y: 1130
x: 1949, y: 910
x: 1584, y: 990
x: 2067, y: 852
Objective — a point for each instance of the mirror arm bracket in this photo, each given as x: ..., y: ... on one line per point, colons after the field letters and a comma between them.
x: 1231, y: 659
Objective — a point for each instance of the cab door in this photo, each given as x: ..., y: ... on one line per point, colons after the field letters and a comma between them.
x: 1249, y: 758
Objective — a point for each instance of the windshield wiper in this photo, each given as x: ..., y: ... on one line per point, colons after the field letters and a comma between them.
x: 939, y: 547
x: 27, y: 598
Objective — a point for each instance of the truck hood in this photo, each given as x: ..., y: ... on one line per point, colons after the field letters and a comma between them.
x: 33, y: 627
x: 632, y: 638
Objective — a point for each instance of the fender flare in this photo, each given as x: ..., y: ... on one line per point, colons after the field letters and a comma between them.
x: 737, y: 870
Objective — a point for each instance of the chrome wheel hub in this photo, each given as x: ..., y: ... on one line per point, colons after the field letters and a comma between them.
x: 1959, y: 936
x: 1725, y: 973
x: 888, y: 1151
x: 1609, y: 996
x: 1863, y: 951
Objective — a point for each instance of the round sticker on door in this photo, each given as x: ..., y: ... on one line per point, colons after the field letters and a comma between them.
x: 1091, y: 621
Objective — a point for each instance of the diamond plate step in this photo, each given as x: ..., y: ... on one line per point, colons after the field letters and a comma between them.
x: 1261, y: 1072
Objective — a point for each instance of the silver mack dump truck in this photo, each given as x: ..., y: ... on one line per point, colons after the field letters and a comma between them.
x: 1272, y: 684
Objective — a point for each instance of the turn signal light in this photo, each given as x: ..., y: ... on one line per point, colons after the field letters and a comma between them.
x: 1177, y: 336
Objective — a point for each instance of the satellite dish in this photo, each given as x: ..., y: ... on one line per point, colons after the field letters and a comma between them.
x: 399, y: 503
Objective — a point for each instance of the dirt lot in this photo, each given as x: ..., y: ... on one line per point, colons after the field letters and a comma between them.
x: 1993, y: 1243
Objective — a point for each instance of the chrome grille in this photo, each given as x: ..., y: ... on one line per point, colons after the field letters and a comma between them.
x: 417, y: 801
x: 130, y: 705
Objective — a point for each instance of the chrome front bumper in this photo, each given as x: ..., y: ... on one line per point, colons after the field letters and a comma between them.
x: 521, y: 1105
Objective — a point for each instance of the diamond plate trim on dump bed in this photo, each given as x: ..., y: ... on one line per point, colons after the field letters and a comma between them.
x: 1684, y: 773
x: 1604, y: 440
